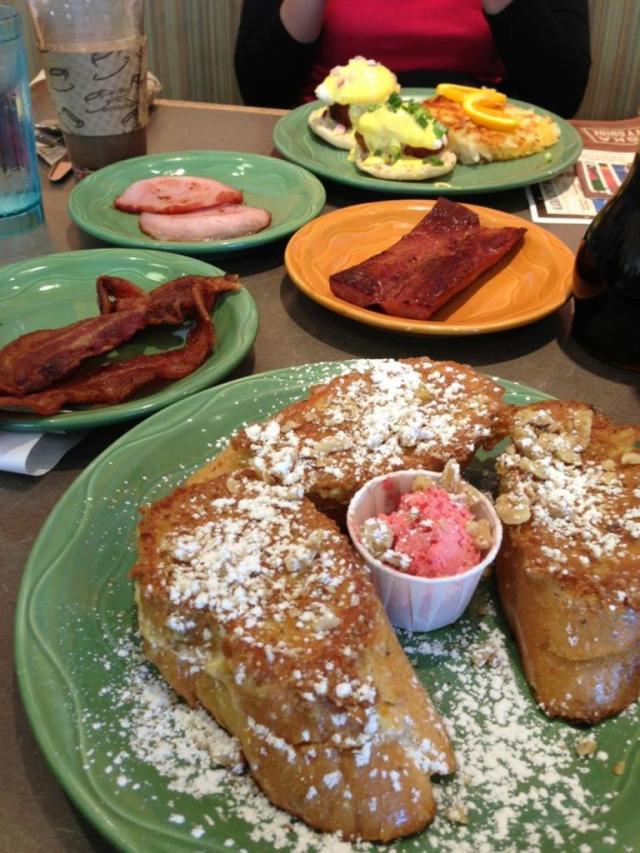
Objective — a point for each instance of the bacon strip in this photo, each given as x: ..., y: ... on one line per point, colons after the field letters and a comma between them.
x: 36, y: 360
x: 116, y: 382
x: 119, y: 294
x: 445, y: 252
x: 170, y: 303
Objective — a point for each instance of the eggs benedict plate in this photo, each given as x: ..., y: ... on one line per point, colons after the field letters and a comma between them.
x: 295, y: 140
x: 400, y: 141
x: 345, y: 93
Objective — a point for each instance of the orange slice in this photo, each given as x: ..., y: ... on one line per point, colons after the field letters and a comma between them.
x: 488, y: 111
x: 455, y: 92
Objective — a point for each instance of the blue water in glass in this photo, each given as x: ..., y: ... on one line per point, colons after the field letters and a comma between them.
x: 19, y: 179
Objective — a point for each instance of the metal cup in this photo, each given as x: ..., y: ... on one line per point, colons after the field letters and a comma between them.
x: 20, y: 194
x: 95, y: 57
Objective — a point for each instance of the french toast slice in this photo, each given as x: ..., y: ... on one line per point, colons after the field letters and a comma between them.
x: 254, y: 604
x: 569, y: 568
x: 381, y: 416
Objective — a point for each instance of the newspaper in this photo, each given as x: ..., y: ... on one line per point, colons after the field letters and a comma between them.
x: 576, y: 195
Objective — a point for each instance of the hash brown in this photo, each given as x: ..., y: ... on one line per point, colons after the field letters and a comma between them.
x: 472, y: 143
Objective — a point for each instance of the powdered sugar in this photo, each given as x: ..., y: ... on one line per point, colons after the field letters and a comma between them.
x: 570, y: 472
x: 231, y: 813
x: 371, y: 420
x: 520, y: 783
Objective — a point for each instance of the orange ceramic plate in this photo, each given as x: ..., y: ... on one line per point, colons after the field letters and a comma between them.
x: 523, y: 287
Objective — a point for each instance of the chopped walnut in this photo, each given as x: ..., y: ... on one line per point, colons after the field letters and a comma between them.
x: 301, y: 557
x: 325, y: 622
x: 537, y: 469
x: 582, y: 421
x: 398, y: 559
x: 377, y: 536
x: 513, y: 509
x: 424, y: 394
x: 233, y: 486
x: 421, y: 484
x: 586, y: 746
x: 556, y: 509
x: 630, y: 458
x: 567, y: 455
x: 457, y: 812
x: 451, y: 479
x: 561, y: 446
x: 480, y: 532
x: 537, y: 417
x: 298, y: 559
x: 333, y: 444
x: 486, y: 655
x: 316, y: 539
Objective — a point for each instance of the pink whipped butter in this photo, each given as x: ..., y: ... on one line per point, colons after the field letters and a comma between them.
x: 430, y: 536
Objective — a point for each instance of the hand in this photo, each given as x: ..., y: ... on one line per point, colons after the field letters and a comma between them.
x: 493, y: 7
x: 303, y: 18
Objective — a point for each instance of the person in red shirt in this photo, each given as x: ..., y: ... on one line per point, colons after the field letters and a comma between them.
x: 535, y: 50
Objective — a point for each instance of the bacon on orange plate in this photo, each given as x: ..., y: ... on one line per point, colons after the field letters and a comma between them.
x: 442, y: 255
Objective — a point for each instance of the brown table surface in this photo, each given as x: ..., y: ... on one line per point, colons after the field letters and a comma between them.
x: 35, y: 814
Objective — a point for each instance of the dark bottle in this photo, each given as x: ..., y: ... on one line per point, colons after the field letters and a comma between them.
x: 606, y: 284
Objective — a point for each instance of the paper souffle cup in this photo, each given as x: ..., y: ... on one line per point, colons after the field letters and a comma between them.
x: 417, y: 603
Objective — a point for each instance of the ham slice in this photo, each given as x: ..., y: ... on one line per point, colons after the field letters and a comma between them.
x: 445, y: 252
x: 176, y: 194
x: 215, y: 223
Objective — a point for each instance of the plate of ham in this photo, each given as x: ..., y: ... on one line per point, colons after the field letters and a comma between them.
x: 196, y: 202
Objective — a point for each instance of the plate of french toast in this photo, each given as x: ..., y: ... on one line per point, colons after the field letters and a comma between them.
x: 220, y: 671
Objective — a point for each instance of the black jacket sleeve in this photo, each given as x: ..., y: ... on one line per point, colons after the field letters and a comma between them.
x: 271, y: 66
x: 544, y: 45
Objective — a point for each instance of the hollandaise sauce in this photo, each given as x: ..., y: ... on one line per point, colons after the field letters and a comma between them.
x: 399, y: 128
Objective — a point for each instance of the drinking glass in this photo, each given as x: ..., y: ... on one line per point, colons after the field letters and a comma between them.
x: 20, y: 195
x: 95, y: 57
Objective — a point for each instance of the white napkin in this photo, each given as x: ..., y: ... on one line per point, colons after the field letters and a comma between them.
x: 35, y: 453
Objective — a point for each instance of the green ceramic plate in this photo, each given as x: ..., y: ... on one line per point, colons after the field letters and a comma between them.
x: 55, y: 290
x: 76, y: 647
x: 289, y: 193
x: 296, y: 142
